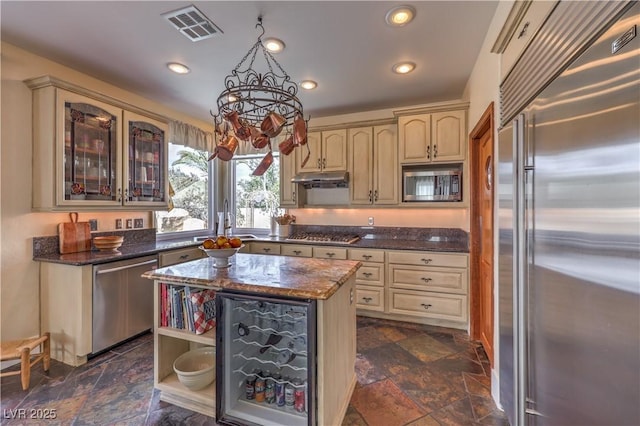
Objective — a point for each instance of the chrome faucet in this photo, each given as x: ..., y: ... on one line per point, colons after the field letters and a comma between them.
x: 225, y: 211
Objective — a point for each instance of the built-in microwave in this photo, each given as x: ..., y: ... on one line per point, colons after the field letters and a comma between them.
x: 432, y: 183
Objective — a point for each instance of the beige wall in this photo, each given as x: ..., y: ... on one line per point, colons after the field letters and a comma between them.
x: 482, y: 89
x: 19, y: 274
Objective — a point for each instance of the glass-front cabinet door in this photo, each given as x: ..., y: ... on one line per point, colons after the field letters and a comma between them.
x: 91, y: 168
x: 145, y: 161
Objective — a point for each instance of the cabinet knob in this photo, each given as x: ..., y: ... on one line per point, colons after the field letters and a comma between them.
x: 435, y: 150
x: 294, y: 196
x: 119, y: 195
x: 324, y: 163
x: 367, y: 299
x: 428, y: 153
x: 426, y: 261
x: 426, y: 280
x: 375, y: 195
x: 319, y: 163
x: 370, y: 196
x: 426, y: 305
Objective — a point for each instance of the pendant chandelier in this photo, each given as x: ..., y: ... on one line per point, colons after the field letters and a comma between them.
x: 257, y: 106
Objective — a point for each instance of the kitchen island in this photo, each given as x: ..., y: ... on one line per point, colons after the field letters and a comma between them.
x: 326, y: 287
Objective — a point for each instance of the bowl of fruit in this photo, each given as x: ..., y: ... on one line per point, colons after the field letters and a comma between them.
x: 221, y: 249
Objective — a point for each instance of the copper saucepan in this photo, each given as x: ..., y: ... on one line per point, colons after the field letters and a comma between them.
x: 286, y: 146
x: 272, y: 124
x: 227, y: 149
x: 264, y: 165
x: 299, y: 131
x: 242, y: 131
x: 259, y: 140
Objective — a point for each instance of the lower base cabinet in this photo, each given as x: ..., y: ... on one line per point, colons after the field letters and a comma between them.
x: 335, y: 332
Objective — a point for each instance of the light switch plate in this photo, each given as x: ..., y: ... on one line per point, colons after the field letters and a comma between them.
x: 370, y: 221
x: 93, y: 224
x: 129, y: 223
x: 118, y: 223
x: 138, y: 223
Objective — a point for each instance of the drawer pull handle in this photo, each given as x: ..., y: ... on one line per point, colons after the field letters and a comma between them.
x: 426, y: 261
x: 266, y: 249
x: 297, y: 252
x: 367, y: 274
x: 367, y: 299
x: 524, y: 30
x: 367, y: 256
x: 184, y: 256
x: 330, y: 254
x: 425, y: 279
x: 426, y: 305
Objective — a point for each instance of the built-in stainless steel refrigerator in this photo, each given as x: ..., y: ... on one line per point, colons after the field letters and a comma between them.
x: 265, y: 360
x: 569, y: 238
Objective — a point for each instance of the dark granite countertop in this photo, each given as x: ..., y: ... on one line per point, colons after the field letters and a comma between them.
x: 142, y: 243
x: 306, y: 278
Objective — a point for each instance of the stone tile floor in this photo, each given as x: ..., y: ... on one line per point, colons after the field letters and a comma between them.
x: 408, y: 374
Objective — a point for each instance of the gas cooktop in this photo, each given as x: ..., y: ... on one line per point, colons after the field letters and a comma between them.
x: 317, y: 237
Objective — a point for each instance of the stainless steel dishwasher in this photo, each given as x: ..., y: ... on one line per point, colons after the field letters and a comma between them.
x: 122, y: 301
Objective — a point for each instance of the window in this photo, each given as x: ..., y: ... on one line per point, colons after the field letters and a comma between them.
x: 256, y: 198
x: 189, y: 178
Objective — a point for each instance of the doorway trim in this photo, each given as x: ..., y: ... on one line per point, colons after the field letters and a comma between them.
x: 485, y: 124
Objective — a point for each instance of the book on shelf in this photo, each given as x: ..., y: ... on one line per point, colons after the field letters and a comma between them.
x: 186, y: 308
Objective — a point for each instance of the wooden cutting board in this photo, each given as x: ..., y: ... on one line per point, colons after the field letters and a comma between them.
x: 74, y: 236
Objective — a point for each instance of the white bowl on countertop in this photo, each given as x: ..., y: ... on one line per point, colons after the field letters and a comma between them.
x: 221, y: 256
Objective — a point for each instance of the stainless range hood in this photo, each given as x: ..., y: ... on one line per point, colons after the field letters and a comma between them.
x: 322, y: 179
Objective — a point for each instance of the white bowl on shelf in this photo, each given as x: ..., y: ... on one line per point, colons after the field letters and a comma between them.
x: 196, y: 368
x: 221, y: 256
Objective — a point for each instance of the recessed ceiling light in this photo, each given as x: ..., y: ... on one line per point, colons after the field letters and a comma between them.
x: 274, y: 45
x: 178, y: 68
x: 404, y: 67
x: 308, y: 84
x: 400, y: 15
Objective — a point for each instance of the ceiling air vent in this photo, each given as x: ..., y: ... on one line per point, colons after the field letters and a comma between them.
x: 192, y: 23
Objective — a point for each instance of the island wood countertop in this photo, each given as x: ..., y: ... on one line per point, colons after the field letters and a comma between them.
x: 303, y: 278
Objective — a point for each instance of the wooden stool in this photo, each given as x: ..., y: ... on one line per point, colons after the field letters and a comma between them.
x: 21, y: 349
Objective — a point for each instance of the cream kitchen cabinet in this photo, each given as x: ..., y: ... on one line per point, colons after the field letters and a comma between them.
x: 370, y: 279
x: 428, y: 285
x: 373, y: 165
x: 296, y: 250
x: 432, y: 137
x: 173, y: 257
x: 288, y: 190
x: 94, y: 152
x: 265, y: 248
x: 328, y: 152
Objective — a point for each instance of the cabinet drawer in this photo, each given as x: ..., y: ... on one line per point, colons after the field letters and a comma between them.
x: 369, y: 298
x: 432, y: 305
x: 179, y: 256
x: 425, y: 258
x: 296, y: 250
x: 524, y: 32
x: 265, y: 248
x: 366, y: 255
x: 371, y: 274
x: 428, y: 279
x: 330, y: 253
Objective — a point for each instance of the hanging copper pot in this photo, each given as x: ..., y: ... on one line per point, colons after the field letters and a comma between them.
x: 227, y: 149
x: 258, y: 139
x: 304, y: 162
x: 242, y: 131
x: 286, y: 146
x: 272, y: 124
x: 264, y: 165
x: 299, y: 131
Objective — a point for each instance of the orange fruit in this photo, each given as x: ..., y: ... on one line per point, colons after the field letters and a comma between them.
x: 226, y: 246
x: 221, y: 240
x: 208, y: 243
x: 235, y: 242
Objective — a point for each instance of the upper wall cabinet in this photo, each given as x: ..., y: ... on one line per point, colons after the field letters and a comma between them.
x: 90, y: 154
x: 328, y: 152
x: 373, y: 165
x: 288, y: 190
x: 434, y: 137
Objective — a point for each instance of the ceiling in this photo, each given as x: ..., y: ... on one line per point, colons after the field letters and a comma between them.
x: 345, y: 46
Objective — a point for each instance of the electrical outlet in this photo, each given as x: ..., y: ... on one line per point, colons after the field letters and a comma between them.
x: 93, y: 224
x: 137, y: 223
x: 118, y: 223
x: 370, y: 221
x: 129, y: 223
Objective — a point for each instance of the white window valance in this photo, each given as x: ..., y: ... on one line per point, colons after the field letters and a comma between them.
x: 245, y: 147
x: 188, y: 135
